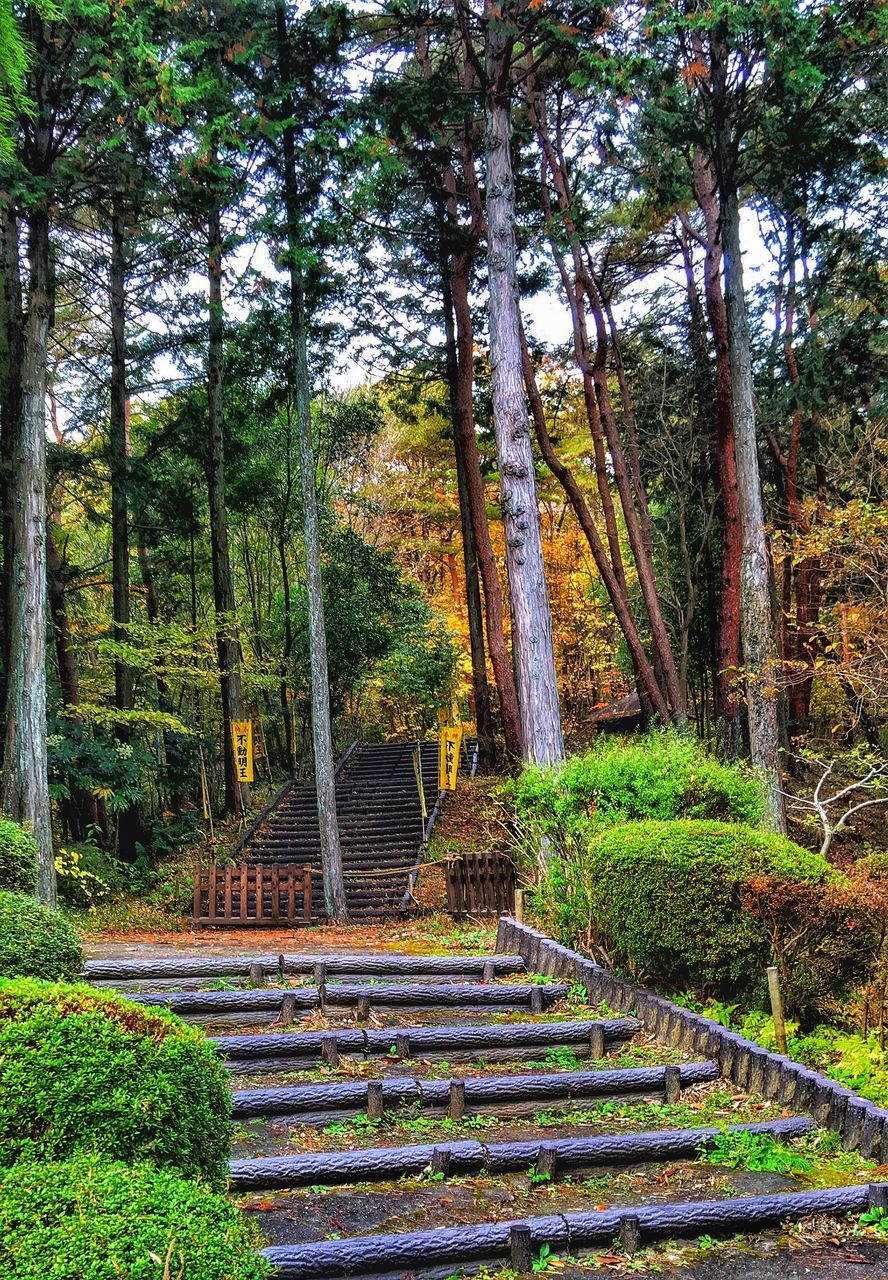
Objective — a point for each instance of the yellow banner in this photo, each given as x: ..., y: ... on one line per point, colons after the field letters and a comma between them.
x: 242, y: 737
x: 448, y: 757
x: 258, y: 735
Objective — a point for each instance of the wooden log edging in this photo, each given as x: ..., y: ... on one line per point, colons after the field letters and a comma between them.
x: 307, y: 1046
x: 411, y: 994
x: 564, y: 1233
x: 379, y: 965
x: 477, y: 1091
x: 860, y: 1123
x: 562, y: 1154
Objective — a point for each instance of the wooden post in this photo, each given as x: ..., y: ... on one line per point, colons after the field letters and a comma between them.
x: 536, y: 999
x: 545, y: 1165
x: 597, y: 1047
x: 489, y: 972
x: 330, y: 1051
x: 306, y: 894
x: 402, y: 1044
x: 457, y: 1099
x: 673, y: 1084
x: 375, y: 1105
x: 521, y: 1248
x: 630, y: 1233
x: 319, y: 973
x: 441, y: 1161
x: 519, y: 905
x: 777, y: 1008
x: 257, y: 974
x: 363, y: 1008
x: 288, y: 1011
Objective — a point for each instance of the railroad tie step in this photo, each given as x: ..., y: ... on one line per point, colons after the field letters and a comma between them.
x: 562, y: 1154
x: 571, y: 1232
x: 414, y: 995
x: 477, y: 1092
x: 284, y: 1051
x: 381, y: 965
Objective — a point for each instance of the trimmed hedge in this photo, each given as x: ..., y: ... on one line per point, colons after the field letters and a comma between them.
x: 85, y: 1070
x: 663, y: 775
x: 663, y: 900
x: 35, y: 941
x: 91, y: 1219
x: 18, y: 858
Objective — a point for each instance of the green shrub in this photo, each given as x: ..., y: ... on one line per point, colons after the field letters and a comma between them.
x: 84, y: 1070
x: 663, y: 900
x: 36, y: 942
x: 18, y: 858
x: 662, y: 775
x: 93, y: 1219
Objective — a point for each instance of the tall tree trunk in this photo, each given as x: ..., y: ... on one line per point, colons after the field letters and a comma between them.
x: 727, y: 647
x: 322, y: 733
x: 531, y: 617
x: 24, y: 795
x: 759, y: 650
x: 10, y: 400
x: 227, y: 643
x: 648, y: 690
x: 480, y: 689
x: 80, y: 811
x: 128, y: 822
x: 119, y: 463
x: 467, y: 444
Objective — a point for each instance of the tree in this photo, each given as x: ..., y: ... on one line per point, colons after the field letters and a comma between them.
x: 542, y: 740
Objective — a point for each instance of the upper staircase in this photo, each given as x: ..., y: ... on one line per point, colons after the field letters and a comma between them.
x: 382, y: 829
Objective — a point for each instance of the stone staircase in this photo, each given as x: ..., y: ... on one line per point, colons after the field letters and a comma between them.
x: 381, y: 824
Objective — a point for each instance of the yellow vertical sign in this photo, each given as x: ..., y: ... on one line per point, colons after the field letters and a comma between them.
x: 258, y: 735
x: 242, y: 738
x: 448, y: 756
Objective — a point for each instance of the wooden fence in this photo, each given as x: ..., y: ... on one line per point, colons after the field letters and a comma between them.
x: 481, y: 884
x: 241, y: 896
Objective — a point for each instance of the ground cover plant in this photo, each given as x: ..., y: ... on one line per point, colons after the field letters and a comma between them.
x: 103, y: 1220
x: 84, y: 1070
x: 36, y: 941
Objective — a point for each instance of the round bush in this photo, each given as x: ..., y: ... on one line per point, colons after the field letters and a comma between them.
x: 35, y: 941
x: 93, y: 1219
x: 18, y: 858
x: 82, y: 1070
x: 664, y: 899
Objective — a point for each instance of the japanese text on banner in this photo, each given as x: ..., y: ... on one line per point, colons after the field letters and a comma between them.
x: 242, y: 738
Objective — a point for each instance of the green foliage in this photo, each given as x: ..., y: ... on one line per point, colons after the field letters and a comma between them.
x: 81, y: 759
x: 758, y: 1152
x: 662, y: 775
x: 36, y: 942
x: 101, y: 1220
x: 860, y: 1062
x: 18, y: 858
x: 663, y: 899
x: 82, y: 1070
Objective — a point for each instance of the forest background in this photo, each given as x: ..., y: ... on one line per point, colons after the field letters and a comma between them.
x: 213, y: 215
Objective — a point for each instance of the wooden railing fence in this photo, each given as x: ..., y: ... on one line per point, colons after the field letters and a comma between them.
x: 242, y: 895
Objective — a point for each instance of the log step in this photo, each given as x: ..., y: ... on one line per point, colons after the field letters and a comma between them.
x: 479, y: 1092
x: 384, y: 1163
x: 491, y: 1242
x: 381, y: 964
x: 286, y: 1050
x: 406, y: 994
